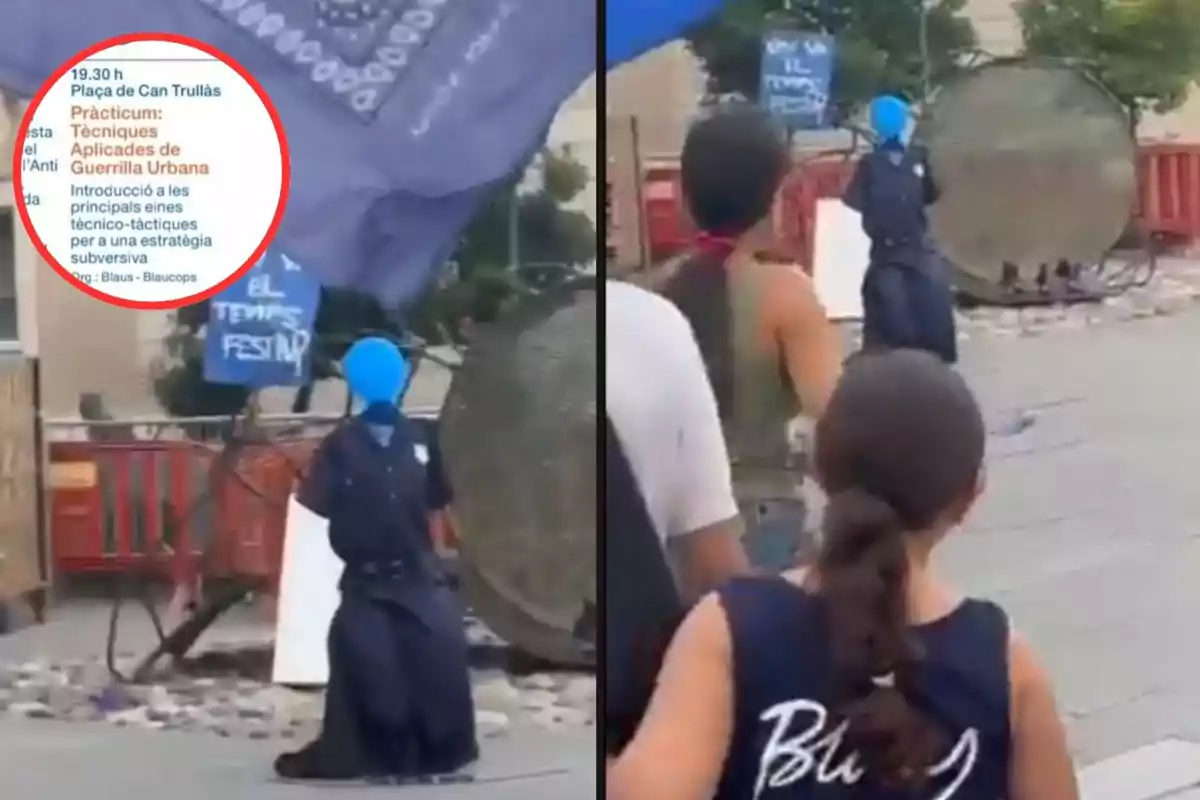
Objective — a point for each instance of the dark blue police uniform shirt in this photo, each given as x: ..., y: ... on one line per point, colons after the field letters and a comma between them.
x: 890, y: 188
x: 377, y: 497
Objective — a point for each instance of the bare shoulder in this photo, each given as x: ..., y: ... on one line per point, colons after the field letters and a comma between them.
x: 1030, y: 687
x: 1025, y: 669
x: 791, y: 273
x: 1042, y: 767
x: 793, y: 287
x: 706, y: 626
x: 681, y: 744
x: 792, y: 298
x: 702, y: 638
x: 702, y: 649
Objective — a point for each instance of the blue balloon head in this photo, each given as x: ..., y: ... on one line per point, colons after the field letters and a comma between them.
x: 375, y: 370
x: 889, y: 117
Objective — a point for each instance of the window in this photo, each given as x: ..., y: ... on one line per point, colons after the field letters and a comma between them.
x: 8, y: 276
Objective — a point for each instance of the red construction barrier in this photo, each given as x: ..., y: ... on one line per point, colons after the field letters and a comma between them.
x: 668, y: 225
x: 1169, y: 195
x: 253, y: 509
x: 171, y: 508
x: 127, y: 513
x: 1168, y: 200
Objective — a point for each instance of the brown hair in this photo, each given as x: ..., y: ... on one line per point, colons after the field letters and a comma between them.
x: 732, y: 165
x: 899, y: 448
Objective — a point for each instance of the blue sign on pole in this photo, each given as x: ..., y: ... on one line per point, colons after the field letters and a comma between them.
x: 797, y: 70
x: 260, y: 329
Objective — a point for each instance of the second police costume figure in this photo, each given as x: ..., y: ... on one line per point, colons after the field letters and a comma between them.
x: 398, y: 705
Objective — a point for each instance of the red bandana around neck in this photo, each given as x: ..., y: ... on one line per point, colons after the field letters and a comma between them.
x: 720, y: 246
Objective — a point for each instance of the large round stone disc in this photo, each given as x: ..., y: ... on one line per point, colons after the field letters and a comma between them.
x: 1037, y: 163
x: 519, y: 434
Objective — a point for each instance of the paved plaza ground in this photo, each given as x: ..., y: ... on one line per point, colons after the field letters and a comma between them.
x: 1089, y: 535
x: 53, y: 761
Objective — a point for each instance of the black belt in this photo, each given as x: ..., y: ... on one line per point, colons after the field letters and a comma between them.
x: 408, y: 571
x: 383, y: 569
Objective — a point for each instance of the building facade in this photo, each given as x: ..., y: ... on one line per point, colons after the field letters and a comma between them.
x: 83, y: 345
x: 575, y: 131
x: 662, y: 90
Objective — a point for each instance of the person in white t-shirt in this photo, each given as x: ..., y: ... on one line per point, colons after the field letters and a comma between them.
x: 662, y: 407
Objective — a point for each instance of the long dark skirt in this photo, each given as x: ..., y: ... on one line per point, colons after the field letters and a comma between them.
x: 398, y: 703
x: 910, y: 306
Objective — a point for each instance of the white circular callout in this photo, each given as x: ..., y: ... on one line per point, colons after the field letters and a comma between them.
x: 152, y: 172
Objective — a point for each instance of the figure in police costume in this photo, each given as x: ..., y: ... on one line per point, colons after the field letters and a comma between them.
x: 906, y: 294
x: 398, y: 706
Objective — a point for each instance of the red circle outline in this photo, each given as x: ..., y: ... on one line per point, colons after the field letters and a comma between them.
x: 134, y: 38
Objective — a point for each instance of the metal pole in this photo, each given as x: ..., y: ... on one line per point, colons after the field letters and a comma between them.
x: 923, y: 48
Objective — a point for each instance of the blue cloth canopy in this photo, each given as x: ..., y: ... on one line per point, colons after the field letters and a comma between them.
x: 402, y: 115
x: 634, y: 27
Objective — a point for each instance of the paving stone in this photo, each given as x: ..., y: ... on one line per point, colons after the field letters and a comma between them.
x: 1187, y: 794
x: 1149, y: 772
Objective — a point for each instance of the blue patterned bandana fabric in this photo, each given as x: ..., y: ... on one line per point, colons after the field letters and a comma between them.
x: 401, y: 115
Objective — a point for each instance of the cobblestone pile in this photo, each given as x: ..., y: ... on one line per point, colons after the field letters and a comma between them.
x: 1174, y: 288
x: 234, y: 705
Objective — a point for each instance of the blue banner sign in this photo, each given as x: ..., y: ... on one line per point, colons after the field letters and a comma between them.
x: 260, y: 329
x: 797, y: 70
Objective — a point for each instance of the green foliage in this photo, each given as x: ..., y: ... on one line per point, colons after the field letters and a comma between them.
x: 480, y: 283
x: 554, y: 243
x: 879, y: 44
x: 1147, y: 52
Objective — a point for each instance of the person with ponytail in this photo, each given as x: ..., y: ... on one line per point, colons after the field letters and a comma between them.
x: 769, y: 350
x: 864, y: 676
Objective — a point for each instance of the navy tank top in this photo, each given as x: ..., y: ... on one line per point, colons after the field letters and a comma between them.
x: 783, y: 747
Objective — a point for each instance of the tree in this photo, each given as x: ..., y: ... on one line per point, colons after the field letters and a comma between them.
x: 879, y: 45
x: 553, y: 243
x: 486, y: 274
x: 1147, y: 52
